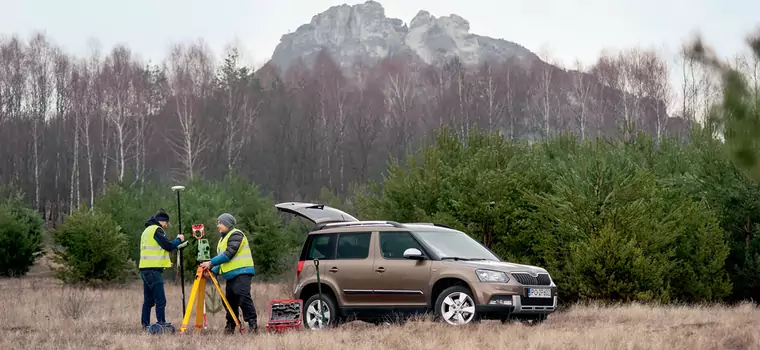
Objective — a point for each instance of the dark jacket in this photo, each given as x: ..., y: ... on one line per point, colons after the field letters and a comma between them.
x: 233, y: 244
x: 160, y: 237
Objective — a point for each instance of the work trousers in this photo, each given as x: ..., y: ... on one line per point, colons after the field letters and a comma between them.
x: 153, y: 295
x: 238, y: 294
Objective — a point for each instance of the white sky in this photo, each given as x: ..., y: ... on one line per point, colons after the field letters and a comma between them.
x: 569, y: 29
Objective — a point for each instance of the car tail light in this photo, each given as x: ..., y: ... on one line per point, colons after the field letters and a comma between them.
x: 299, y: 268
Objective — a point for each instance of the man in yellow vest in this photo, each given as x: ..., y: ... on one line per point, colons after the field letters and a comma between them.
x: 154, y: 258
x: 234, y: 263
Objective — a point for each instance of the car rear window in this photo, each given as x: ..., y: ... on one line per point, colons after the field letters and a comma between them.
x: 320, y: 247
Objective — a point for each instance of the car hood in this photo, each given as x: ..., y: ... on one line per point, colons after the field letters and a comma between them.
x: 501, y: 266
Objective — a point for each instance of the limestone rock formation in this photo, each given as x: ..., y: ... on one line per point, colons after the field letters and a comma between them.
x: 364, y: 32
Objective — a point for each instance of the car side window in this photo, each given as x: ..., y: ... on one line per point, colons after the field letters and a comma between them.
x: 321, y: 247
x: 394, y: 243
x: 353, y: 245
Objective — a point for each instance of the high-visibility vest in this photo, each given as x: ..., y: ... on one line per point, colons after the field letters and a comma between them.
x: 243, y: 257
x: 151, y: 253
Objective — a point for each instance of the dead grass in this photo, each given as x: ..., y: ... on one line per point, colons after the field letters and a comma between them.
x: 38, y: 313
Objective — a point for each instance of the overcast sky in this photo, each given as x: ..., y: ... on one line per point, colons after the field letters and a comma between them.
x: 569, y: 29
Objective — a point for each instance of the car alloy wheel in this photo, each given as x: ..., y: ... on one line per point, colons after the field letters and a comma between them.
x: 312, y: 315
x: 456, y: 306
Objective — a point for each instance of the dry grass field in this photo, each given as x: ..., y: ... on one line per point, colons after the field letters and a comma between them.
x: 39, y: 313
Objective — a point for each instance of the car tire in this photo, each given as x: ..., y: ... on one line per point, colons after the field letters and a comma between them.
x: 310, y: 316
x: 456, y: 306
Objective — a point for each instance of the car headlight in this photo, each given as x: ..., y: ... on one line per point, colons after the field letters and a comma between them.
x: 492, y: 276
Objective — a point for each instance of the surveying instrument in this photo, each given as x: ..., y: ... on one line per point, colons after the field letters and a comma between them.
x: 199, y: 286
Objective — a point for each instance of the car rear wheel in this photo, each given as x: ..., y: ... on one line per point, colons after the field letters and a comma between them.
x: 312, y: 317
x: 456, y: 306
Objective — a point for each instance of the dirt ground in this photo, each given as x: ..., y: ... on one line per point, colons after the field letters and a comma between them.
x: 37, y: 312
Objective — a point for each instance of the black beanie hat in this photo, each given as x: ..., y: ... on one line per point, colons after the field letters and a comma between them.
x: 162, y: 215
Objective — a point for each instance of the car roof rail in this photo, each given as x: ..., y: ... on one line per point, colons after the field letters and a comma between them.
x: 429, y: 224
x: 356, y: 223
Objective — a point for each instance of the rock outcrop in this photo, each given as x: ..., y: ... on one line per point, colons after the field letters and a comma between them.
x: 364, y: 32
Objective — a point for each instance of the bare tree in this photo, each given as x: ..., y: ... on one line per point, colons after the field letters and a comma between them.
x: 492, y: 94
x: 615, y: 73
x: 580, y: 97
x: 90, y: 107
x: 151, y: 98
x: 235, y: 86
x: 121, y: 73
x: 190, y: 73
x: 13, y: 87
x: 40, y: 65
x: 652, y: 73
x: 399, y: 92
x: 365, y: 120
x: 543, y: 99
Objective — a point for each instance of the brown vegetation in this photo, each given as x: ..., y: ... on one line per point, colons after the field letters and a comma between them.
x: 38, y: 313
x: 69, y: 126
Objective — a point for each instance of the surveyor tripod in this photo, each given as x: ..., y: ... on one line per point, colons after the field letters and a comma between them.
x: 199, y: 287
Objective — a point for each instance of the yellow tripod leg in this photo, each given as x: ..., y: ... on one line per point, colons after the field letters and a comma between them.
x: 226, y: 304
x: 200, y: 304
x: 193, y: 293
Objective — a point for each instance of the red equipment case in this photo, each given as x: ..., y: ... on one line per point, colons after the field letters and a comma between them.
x: 282, y: 325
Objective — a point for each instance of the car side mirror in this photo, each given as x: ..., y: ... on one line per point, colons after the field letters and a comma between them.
x: 413, y: 253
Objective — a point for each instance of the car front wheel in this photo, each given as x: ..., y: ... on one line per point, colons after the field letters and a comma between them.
x: 456, y: 306
x: 319, y: 313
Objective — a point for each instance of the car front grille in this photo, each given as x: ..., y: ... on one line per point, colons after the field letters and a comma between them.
x: 526, y: 279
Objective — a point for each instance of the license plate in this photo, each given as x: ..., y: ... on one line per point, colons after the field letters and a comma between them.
x: 539, y: 293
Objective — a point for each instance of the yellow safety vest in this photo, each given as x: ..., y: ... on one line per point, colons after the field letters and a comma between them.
x: 151, y: 253
x: 243, y: 257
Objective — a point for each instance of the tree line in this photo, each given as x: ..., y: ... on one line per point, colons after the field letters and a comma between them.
x: 629, y: 215
x: 70, y: 126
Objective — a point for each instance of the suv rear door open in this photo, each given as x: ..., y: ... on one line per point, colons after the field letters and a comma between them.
x: 316, y: 213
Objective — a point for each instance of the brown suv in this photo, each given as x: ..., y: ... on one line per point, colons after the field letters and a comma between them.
x: 373, y: 270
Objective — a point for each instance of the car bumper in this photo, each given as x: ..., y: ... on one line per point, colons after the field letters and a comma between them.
x: 504, y: 300
x: 516, y: 304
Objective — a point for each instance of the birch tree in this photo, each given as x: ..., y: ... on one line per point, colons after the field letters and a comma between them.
x: 492, y: 94
x: 189, y: 78
x: 121, y: 73
x: 580, y: 98
x: 399, y: 92
x: 543, y: 99
x: 40, y: 66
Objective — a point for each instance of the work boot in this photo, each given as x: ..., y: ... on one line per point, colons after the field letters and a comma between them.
x: 253, y: 328
x: 229, y: 329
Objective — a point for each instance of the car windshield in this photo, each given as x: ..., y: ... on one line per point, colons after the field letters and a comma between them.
x: 455, y: 244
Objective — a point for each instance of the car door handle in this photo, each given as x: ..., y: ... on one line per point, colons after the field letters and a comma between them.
x: 334, y: 269
x: 380, y: 269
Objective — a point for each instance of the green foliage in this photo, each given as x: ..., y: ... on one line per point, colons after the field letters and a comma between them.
x: 131, y: 207
x: 613, y: 220
x: 21, y: 235
x: 739, y: 111
x: 202, y: 202
x: 733, y: 188
x: 91, y: 248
